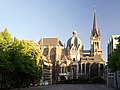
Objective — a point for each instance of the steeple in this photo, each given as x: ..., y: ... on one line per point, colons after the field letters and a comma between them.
x: 95, y: 30
x: 95, y: 38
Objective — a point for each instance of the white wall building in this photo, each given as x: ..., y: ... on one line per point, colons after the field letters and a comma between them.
x: 112, y: 44
x: 111, y: 80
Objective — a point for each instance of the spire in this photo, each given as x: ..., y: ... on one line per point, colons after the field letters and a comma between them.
x: 95, y: 22
x: 95, y: 30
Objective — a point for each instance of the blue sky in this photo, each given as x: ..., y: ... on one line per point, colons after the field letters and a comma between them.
x: 34, y: 19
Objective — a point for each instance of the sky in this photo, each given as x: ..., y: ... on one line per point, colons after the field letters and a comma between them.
x: 34, y: 19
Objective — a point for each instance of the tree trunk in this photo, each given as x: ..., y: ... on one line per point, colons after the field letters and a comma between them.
x: 1, y: 80
x: 19, y: 83
x: 116, y: 79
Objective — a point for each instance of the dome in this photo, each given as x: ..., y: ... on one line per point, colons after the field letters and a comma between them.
x: 74, y: 40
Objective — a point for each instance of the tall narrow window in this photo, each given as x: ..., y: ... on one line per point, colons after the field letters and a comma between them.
x: 73, y: 59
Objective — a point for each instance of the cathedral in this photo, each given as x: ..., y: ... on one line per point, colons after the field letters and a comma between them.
x: 72, y: 61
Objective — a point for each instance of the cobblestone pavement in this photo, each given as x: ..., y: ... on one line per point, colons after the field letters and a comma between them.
x: 70, y: 87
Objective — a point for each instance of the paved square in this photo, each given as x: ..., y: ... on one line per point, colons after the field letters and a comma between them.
x: 71, y: 87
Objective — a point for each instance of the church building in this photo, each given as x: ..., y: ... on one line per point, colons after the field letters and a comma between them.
x: 72, y: 61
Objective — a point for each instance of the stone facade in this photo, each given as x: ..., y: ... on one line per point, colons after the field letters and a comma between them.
x: 72, y: 61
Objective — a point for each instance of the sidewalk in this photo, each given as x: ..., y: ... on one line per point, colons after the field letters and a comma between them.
x: 30, y: 88
x: 110, y: 88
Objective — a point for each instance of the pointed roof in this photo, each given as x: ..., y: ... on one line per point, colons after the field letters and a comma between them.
x: 95, y: 22
x: 95, y: 30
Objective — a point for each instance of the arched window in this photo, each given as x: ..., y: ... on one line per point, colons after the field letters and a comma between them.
x: 73, y: 59
x: 63, y: 68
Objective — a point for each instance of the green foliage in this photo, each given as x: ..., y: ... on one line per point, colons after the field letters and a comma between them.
x: 5, y: 64
x: 114, y: 58
x: 24, y: 58
x: 19, y: 58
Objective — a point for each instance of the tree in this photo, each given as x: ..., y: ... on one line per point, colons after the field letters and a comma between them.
x: 5, y: 65
x: 19, y: 59
x: 25, y: 56
x: 35, y: 53
x: 114, y: 60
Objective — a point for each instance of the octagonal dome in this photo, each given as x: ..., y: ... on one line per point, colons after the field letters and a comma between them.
x: 74, y: 41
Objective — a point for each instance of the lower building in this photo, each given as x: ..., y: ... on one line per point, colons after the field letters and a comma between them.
x: 47, y: 71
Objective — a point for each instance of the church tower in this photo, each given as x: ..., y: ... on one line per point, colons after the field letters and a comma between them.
x: 95, y: 39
